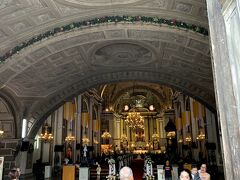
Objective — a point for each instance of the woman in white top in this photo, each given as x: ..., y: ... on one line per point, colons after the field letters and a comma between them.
x: 203, y: 172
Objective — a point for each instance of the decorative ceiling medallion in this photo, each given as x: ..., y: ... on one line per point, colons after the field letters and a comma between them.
x: 122, y: 54
x: 96, y: 3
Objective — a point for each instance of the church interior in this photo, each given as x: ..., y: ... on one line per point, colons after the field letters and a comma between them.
x: 88, y: 87
x: 127, y: 118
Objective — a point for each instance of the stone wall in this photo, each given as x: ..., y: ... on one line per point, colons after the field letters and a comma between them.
x: 8, y: 150
x: 224, y: 32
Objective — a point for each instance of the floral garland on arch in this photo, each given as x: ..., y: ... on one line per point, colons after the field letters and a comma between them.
x: 107, y: 19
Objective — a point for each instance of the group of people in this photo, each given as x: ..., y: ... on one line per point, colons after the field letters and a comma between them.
x: 127, y: 174
x: 186, y: 174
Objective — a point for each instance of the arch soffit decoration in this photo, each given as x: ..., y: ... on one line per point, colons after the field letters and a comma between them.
x: 76, y: 61
x: 24, y: 19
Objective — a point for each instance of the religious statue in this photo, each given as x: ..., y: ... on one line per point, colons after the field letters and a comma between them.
x: 148, y: 168
x: 84, y: 161
x: 98, y: 169
x: 85, y: 151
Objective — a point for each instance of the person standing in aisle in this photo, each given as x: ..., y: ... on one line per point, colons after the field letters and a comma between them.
x: 168, y: 171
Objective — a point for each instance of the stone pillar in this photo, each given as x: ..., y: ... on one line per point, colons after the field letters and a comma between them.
x: 79, y: 119
x: 146, y: 129
x: 78, y: 126
x: 224, y: 34
x: 99, y: 129
x: 212, y: 134
x: 91, y: 121
x: 46, y: 146
x: 184, y: 132
x: 194, y: 128
x: 117, y: 131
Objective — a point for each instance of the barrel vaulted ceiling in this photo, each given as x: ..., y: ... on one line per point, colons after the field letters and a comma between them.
x: 42, y: 75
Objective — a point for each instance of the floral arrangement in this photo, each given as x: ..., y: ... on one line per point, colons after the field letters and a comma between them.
x: 149, y: 161
x: 112, y: 177
x: 97, y: 21
x: 149, y: 177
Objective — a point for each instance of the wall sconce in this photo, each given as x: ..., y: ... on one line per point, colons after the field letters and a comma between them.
x: 1, y: 133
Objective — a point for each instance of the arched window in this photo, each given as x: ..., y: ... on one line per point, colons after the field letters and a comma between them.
x: 7, y: 123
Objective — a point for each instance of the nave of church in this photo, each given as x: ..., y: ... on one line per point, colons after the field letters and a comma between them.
x: 125, y: 123
x: 87, y: 87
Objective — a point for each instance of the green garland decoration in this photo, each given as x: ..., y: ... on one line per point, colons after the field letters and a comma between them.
x: 106, y: 19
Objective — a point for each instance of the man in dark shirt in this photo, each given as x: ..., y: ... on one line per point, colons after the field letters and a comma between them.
x: 167, y: 171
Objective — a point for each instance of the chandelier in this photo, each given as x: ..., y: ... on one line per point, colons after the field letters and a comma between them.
x: 135, y: 120
x: 70, y: 138
x: 85, y: 141
x: 106, y: 135
x: 46, y: 137
x: 188, y: 138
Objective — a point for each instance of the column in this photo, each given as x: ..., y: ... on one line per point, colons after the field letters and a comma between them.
x: 78, y: 133
x: 224, y: 34
x: 46, y: 146
x: 146, y: 129
x: 57, y: 134
x: 117, y: 132
x: 99, y: 128
x: 90, y: 135
x: 194, y: 128
x: 212, y: 134
x: 79, y: 119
